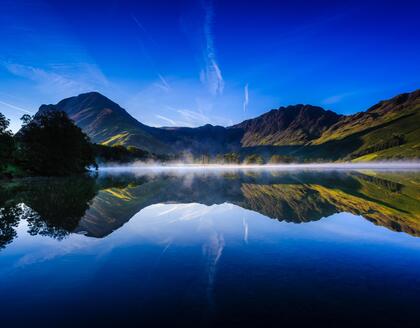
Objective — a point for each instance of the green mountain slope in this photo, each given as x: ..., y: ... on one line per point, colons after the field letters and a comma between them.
x: 388, y: 130
x: 106, y: 122
x: 292, y: 125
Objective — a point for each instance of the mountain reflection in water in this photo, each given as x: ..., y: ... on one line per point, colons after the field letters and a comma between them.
x: 211, y: 249
x: 97, y: 206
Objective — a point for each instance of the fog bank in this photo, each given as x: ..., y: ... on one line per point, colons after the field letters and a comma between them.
x: 395, y: 165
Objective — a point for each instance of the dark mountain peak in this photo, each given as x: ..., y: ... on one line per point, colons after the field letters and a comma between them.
x: 93, y: 101
x: 397, y: 103
x: 291, y: 125
x: 45, y: 108
x: 104, y: 121
x: 210, y: 127
x: 293, y: 111
x: 85, y: 102
x: 307, y: 109
x: 93, y: 97
x: 92, y: 94
x: 301, y: 107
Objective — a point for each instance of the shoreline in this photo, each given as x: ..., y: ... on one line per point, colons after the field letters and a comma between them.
x: 415, y: 166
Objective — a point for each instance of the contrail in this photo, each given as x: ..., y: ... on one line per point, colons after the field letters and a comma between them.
x: 211, y: 74
x: 246, y: 97
x: 245, y: 224
x: 23, y: 110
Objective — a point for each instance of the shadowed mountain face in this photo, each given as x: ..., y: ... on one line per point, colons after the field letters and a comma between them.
x: 292, y: 125
x: 56, y: 207
x: 383, y: 112
x: 105, y: 121
x: 387, y: 130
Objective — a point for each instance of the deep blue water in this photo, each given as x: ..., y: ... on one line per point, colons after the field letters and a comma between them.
x: 237, y: 249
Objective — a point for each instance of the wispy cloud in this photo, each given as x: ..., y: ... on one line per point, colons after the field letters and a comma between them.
x: 246, y: 97
x: 246, y: 230
x: 337, y: 98
x: 187, y: 104
x: 194, y: 118
x: 333, y: 99
x: 40, y: 75
x: 143, y: 29
x: 167, y: 120
x: 140, y: 25
x: 211, y: 75
x: 61, y: 79
x: 23, y: 110
x: 163, y: 84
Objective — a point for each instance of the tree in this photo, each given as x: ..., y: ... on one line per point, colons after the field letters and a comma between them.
x: 121, y: 154
x: 4, y: 124
x: 51, y: 144
x: 219, y: 159
x: 26, y: 119
x: 231, y: 158
x: 6, y: 142
x: 254, y: 159
x: 204, y: 159
x: 278, y: 159
x: 52, y: 214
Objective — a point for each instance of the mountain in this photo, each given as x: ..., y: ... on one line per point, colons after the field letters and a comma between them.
x: 387, y: 130
x: 292, y: 125
x: 206, y: 139
x: 106, y: 122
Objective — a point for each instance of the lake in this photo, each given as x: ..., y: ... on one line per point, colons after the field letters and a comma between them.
x: 234, y: 247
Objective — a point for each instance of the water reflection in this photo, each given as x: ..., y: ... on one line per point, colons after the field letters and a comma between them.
x: 96, y: 206
x: 207, y: 249
x: 51, y: 206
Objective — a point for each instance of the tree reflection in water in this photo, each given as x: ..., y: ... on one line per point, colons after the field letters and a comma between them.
x: 52, y: 206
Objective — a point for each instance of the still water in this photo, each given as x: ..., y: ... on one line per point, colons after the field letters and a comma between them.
x: 198, y: 248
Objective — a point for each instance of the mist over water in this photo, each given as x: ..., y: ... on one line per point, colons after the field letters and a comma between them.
x: 385, y: 165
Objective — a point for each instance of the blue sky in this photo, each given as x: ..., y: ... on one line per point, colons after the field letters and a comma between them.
x: 192, y: 62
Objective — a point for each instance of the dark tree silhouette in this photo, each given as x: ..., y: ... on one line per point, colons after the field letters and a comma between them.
x: 57, y: 204
x: 121, y: 154
x: 51, y: 145
x: 26, y: 119
x: 10, y: 213
x: 6, y: 142
x: 9, y: 219
x: 53, y: 206
x: 254, y: 159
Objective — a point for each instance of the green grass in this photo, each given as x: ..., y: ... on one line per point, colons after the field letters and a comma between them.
x: 116, y: 140
x: 408, y: 126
